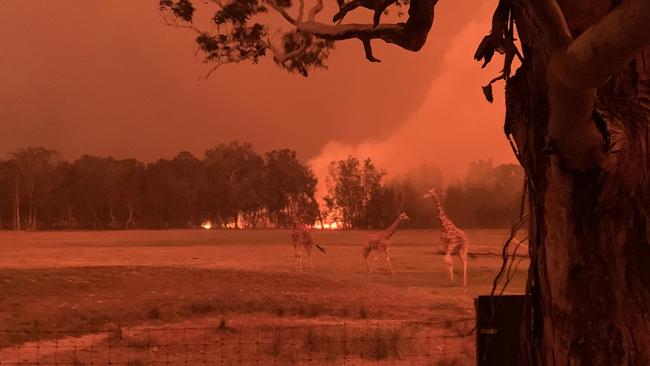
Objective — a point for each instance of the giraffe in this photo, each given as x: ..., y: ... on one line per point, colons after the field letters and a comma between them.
x: 380, y: 242
x: 302, y: 241
x: 454, y: 239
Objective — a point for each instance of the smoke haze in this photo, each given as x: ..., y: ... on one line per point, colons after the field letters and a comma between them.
x: 108, y: 78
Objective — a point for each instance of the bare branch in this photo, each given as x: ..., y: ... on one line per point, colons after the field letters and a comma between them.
x: 283, y: 12
x: 214, y: 68
x: 317, y: 8
x: 368, y: 50
x: 301, y: 11
x: 175, y: 24
x: 411, y: 35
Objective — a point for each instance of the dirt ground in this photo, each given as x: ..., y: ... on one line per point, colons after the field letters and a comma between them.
x: 65, y: 294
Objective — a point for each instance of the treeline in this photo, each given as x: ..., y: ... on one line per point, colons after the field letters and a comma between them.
x: 359, y: 196
x: 490, y: 196
x: 231, y: 186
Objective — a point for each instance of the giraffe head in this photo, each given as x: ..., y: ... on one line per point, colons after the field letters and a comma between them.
x: 403, y: 216
x: 431, y: 193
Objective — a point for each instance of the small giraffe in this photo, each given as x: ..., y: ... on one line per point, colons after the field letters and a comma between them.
x: 454, y: 239
x: 380, y: 242
x: 302, y: 241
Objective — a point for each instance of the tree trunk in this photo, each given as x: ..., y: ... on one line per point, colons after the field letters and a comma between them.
x: 17, y: 203
x: 70, y: 217
x: 589, y: 278
x: 129, y: 221
x: 34, y: 227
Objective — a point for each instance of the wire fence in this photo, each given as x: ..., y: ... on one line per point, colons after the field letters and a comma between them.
x: 355, y: 343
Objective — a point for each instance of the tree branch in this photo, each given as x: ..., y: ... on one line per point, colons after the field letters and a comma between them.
x: 317, y: 8
x: 284, y: 57
x: 301, y: 11
x: 368, y: 50
x: 282, y: 12
x: 411, y: 35
x: 607, y: 46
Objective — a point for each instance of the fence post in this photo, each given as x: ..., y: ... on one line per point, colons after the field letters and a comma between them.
x: 168, y: 346
x: 221, y: 345
x: 257, y: 346
x: 187, y: 345
x: 239, y: 350
x: 149, y: 345
x: 345, y: 342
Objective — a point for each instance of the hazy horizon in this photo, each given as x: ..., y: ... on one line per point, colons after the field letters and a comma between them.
x: 110, y: 80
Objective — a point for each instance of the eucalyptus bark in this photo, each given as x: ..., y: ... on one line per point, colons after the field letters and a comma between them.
x: 588, y: 287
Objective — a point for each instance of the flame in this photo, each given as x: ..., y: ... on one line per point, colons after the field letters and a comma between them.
x: 207, y: 225
x: 327, y: 226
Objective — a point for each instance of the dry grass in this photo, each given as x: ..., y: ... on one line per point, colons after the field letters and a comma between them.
x: 85, y: 281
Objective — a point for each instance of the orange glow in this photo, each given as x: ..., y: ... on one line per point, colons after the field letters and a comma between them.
x: 207, y: 225
x: 327, y: 226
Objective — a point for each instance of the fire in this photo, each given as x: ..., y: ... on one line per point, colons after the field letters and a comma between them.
x: 328, y: 226
x: 207, y: 225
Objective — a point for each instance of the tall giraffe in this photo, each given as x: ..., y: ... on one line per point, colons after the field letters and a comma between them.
x: 454, y: 239
x: 302, y: 241
x: 380, y: 242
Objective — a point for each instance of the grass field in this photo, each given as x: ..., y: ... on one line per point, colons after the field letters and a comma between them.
x: 79, y: 283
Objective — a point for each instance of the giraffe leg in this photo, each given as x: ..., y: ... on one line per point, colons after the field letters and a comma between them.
x: 450, y: 264
x: 389, y: 264
x: 368, y: 263
x: 463, y: 258
x: 366, y: 253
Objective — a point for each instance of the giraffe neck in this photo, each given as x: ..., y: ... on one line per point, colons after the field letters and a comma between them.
x: 441, y: 212
x: 392, y: 228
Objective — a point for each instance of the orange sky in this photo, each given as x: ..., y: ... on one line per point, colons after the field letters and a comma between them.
x: 109, y: 78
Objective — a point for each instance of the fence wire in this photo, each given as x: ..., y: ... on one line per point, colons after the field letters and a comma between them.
x: 337, y: 344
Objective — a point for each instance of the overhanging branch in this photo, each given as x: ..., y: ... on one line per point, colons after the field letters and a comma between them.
x: 411, y: 35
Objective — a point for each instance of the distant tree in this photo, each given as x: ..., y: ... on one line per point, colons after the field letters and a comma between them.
x: 8, y: 175
x: 289, y: 182
x: 411, y: 187
x: 63, y: 195
x: 346, y: 190
x: 357, y: 194
x: 177, y: 192
x: 35, y: 167
x: 235, y: 171
x: 127, y: 187
x: 488, y: 197
x: 89, y: 179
